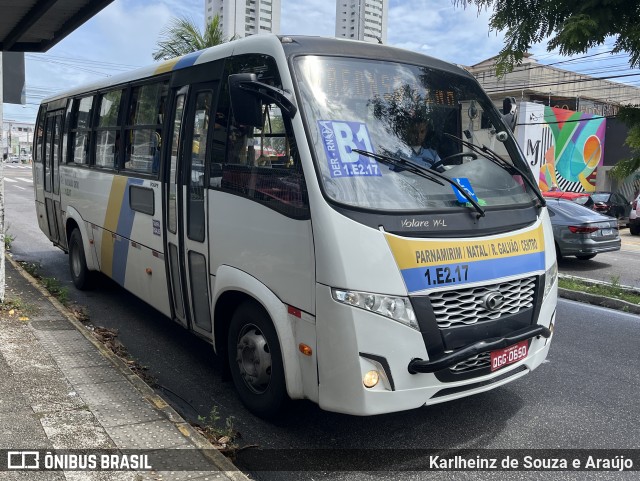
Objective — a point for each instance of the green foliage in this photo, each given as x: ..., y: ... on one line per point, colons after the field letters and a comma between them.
x: 32, y: 268
x: 183, y: 36
x: 15, y: 305
x: 8, y: 239
x: 218, y: 435
x: 612, y: 290
x: 626, y: 167
x: 56, y: 289
x: 572, y: 27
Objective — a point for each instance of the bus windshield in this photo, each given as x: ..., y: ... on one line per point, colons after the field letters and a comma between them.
x: 414, y: 114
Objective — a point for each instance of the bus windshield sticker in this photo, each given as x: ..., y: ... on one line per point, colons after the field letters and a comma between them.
x: 340, y: 138
x: 466, y: 186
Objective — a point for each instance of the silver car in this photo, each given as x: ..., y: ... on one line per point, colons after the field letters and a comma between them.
x: 581, y: 232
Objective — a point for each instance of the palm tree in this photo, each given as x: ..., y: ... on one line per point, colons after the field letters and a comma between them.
x: 183, y: 36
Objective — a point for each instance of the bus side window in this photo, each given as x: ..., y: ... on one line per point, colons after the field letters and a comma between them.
x: 80, y: 130
x: 260, y: 163
x: 37, y: 155
x: 108, y: 130
x: 143, y: 132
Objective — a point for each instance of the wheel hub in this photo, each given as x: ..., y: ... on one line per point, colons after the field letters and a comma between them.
x: 254, y: 359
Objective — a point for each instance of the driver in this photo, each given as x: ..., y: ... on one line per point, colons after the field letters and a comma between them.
x: 420, y: 134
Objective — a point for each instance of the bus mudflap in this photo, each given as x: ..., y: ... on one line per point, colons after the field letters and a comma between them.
x: 451, y: 359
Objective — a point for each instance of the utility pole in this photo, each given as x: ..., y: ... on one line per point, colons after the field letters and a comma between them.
x: 2, y: 233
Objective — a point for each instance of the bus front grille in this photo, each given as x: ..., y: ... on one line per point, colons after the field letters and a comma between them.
x: 479, y: 361
x: 463, y: 307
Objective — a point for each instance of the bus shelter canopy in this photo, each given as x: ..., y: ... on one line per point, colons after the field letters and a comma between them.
x: 37, y: 25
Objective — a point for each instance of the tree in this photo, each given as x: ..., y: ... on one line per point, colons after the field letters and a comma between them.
x: 183, y: 36
x: 573, y: 28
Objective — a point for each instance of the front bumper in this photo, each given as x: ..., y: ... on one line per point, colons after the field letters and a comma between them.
x: 352, y: 342
x: 451, y: 359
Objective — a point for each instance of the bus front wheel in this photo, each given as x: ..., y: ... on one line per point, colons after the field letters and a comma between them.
x: 80, y: 274
x: 255, y: 361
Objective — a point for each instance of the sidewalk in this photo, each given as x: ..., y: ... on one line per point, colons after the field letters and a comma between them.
x: 60, y: 389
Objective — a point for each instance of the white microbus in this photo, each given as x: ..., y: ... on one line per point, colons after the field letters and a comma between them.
x: 345, y: 222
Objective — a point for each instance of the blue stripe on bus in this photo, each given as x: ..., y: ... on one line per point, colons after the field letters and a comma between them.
x: 125, y: 226
x: 417, y: 278
x: 187, y: 61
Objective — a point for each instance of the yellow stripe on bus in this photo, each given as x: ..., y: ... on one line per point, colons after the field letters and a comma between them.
x: 114, y: 205
x: 167, y: 66
x: 417, y: 253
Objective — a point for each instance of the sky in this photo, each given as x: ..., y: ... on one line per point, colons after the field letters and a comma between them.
x: 123, y: 36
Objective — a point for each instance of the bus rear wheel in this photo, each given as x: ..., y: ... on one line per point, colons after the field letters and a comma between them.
x: 80, y: 274
x: 255, y: 361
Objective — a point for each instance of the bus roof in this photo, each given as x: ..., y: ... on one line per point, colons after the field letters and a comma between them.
x: 267, y: 44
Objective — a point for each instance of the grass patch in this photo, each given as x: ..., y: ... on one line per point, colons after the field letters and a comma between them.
x: 8, y: 240
x: 16, y: 307
x: 51, y: 284
x: 612, y: 290
x: 56, y: 289
x: 32, y: 268
x: 221, y: 434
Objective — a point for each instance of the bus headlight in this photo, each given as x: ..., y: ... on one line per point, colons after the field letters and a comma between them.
x: 550, y: 277
x: 397, y: 308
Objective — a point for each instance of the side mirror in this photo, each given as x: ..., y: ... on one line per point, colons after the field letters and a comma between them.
x: 246, y: 105
x: 510, y: 112
x: 248, y: 95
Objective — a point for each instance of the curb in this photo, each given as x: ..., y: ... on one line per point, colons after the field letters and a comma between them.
x: 597, y: 300
x: 200, y: 442
x: 587, y: 280
x: 602, y: 301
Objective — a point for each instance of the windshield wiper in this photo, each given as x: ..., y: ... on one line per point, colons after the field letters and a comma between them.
x: 500, y: 162
x: 424, y: 172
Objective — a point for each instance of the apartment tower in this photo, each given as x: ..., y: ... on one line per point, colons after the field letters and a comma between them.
x: 244, y: 17
x: 362, y: 20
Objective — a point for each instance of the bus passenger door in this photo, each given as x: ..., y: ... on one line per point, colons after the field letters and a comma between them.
x: 51, y: 159
x: 187, y: 243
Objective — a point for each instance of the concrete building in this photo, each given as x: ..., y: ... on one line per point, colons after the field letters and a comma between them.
x: 559, y: 90
x: 242, y: 18
x: 16, y: 139
x: 362, y: 20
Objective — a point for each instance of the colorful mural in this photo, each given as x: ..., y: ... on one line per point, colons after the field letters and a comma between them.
x: 564, y: 148
x: 571, y: 163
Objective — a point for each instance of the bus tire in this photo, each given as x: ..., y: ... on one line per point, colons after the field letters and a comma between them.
x: 255, y: 361
x: 80, y: 274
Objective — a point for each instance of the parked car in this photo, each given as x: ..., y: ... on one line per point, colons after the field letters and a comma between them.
x: 581, y: 232
x: 607, y: 203
x: 610, y: 203
x: 582, y: 198
x: 558, y: 194
x: 634, y: 216
x: 13, y: 159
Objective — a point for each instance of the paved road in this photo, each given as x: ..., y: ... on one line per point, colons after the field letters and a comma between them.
x: 620, y: 265
x: 582, y: 397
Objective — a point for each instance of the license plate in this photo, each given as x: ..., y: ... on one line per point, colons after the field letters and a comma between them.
x: 509, y: 355
x: 606, y: 232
